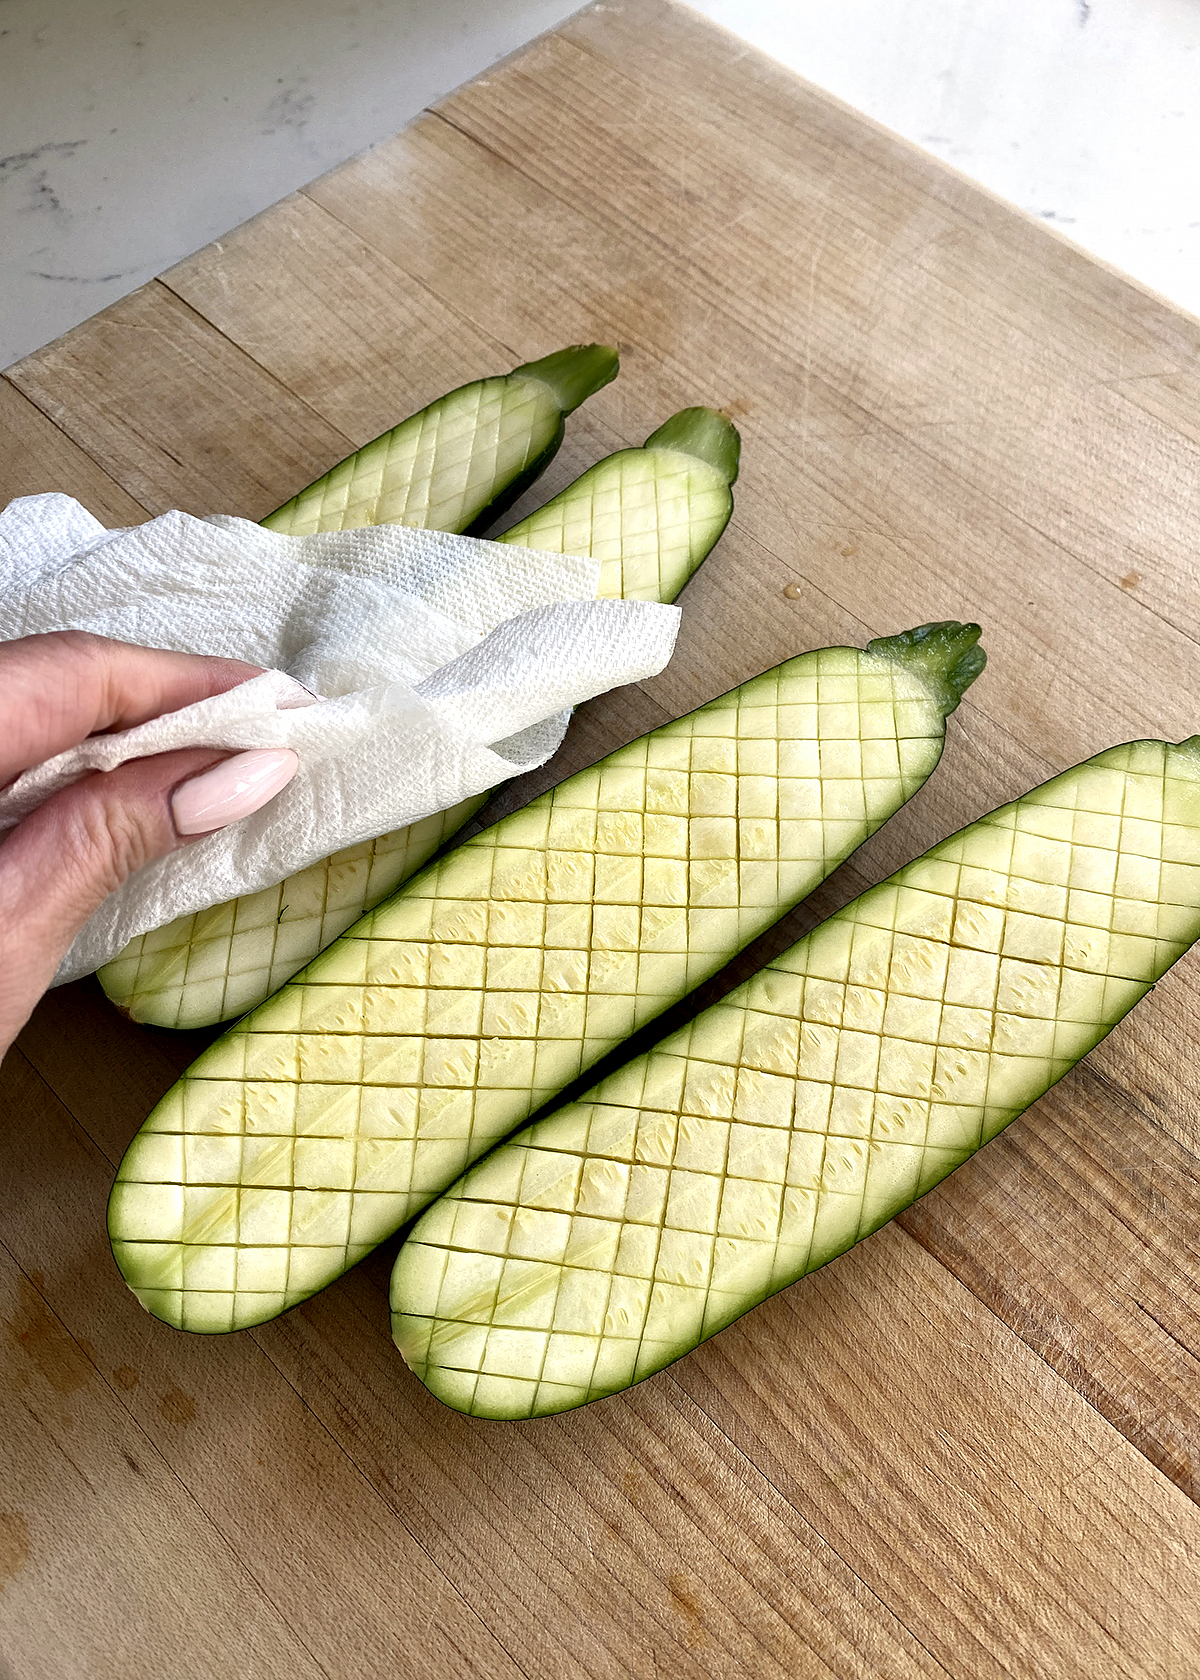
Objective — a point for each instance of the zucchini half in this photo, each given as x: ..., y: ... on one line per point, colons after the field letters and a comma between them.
x: 650, y: 516
x: 314, y: 1128
x: 459, y: 463
x: 456, y: 465
x: 812, y: 1104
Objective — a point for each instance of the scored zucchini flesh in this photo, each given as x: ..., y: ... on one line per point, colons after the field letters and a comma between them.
x: 650, y: 515
x: 457, y: 464
x: 453, y: 466
x: 318, y: 1125
x: 812, y: 1104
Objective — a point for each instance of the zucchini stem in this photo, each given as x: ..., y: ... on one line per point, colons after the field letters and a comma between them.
x: 574, y: 374
x: 947, y: 652
x: 704, y: 433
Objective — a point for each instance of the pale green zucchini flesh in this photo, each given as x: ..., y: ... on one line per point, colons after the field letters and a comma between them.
x: 453, y: 466
x: 812, y: 1104
x: 318, y: 1125
x: 650, y: 515
x: 457, y: 464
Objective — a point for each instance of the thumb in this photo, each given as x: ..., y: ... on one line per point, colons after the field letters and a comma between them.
x: 63, y: 860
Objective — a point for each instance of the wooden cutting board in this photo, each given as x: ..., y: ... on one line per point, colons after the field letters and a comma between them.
x: 970, y: 1447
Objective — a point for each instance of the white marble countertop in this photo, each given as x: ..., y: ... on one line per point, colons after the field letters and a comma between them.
x: 134, y: 131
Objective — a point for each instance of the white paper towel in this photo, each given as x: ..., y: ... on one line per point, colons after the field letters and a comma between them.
x: 409, y: 669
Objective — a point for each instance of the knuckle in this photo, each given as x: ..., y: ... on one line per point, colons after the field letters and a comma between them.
x: 82, y: 644
x: 106, y: 840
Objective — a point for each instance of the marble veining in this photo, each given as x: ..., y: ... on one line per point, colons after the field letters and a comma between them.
x: 132, y: 133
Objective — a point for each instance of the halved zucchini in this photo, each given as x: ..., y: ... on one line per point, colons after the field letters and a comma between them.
x: 812, y: 1104
x: 650, y: 516
x: 457, y: 464
x: 442, y: 1020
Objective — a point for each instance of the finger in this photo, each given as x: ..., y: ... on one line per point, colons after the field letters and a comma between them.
x: 66, y: 685
x: 58, y: 865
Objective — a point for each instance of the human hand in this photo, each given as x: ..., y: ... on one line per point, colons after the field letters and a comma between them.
x: 62, y: 861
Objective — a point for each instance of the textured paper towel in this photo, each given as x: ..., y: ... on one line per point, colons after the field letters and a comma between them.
x: 409, y: 669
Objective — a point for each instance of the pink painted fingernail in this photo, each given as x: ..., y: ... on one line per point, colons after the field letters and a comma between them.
x: 232, y: 790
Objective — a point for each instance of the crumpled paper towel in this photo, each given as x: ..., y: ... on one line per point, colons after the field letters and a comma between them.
x: 409, y: 669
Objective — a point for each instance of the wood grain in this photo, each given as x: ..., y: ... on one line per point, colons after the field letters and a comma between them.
x: 971, y: 1447
x: 351, y: 332
x: 175, y: 413
x: 34, y: 455
x: 81, y: 1480
x: 319, y: 1544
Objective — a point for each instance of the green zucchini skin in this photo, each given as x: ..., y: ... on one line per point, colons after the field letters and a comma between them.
x: 441, y: 1021
x: 813, y: 1103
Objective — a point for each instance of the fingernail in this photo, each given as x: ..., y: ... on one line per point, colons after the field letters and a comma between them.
x: 232, y: 790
